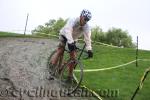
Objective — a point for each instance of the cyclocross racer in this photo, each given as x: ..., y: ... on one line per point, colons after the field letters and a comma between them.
x: 69, y: 34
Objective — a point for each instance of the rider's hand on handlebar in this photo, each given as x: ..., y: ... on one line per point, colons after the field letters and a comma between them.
x: 90, y: 54
x: 72, y: 46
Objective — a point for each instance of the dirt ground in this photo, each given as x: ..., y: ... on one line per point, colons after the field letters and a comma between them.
x: 24, y: 73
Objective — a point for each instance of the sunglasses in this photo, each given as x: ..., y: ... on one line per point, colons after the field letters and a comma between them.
x: 86, y: 19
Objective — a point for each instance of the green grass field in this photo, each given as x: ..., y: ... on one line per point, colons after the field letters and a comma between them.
x: 10, y: 34
x: 7, y: 34
x: 124, y: 79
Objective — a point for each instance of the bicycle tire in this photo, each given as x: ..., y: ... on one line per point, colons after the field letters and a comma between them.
x: 71, y: 88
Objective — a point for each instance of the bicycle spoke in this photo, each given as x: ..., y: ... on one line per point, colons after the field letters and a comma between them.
x: 73, y: 85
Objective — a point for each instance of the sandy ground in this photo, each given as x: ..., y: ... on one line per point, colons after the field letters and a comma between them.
x: 23, y: 70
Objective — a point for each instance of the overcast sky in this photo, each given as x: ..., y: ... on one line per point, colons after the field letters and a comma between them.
x: 130, y: 15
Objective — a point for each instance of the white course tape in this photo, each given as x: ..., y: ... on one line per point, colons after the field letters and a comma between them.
x: 83, y: 40
x: 94, y: 70
x: 144, y: 59
x: 90, y: 90
x: 102, y: 69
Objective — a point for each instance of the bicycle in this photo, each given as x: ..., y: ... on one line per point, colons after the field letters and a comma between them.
x: 60, y: 70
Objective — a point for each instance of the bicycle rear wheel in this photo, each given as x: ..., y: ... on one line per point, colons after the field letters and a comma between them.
x: 71, y: 87
x: 54, y: 69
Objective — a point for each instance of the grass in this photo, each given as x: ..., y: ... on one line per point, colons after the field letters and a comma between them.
x: 10, y: 34
x: 124, y: 80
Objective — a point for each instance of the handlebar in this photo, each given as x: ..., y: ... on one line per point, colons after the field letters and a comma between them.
x: 79, y: 49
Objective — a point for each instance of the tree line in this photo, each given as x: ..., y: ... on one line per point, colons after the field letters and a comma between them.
x: 114, y: 36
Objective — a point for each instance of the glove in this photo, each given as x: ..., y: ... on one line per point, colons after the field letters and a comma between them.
x: 72, y: 46
x: 90, y: 54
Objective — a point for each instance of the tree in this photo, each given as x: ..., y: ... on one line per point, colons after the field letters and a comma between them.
x: 51, y: 27
x: 98, y: 34
x: 58, y: 25
x: 118, y: 37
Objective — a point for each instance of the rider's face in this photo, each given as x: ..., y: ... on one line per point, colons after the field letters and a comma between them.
x: 82, y: 21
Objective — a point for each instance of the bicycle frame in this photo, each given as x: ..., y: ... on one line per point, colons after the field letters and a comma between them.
x: 81, y: 51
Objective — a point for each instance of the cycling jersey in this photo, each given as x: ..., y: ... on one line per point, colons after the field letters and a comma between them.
x: 72, y: 31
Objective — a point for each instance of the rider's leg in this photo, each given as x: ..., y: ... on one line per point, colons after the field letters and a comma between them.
x: 72, y: 65
x: 58, y: 53
x: 73, y: 53
x: 60, y: 50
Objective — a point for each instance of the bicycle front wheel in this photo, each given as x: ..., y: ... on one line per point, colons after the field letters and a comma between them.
x: 73, y: 85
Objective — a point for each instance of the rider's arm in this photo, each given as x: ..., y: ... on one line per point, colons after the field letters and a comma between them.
x: 67, y: 31
x: 87, y: 38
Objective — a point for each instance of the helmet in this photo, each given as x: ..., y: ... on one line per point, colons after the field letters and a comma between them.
x: 86, y: 14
